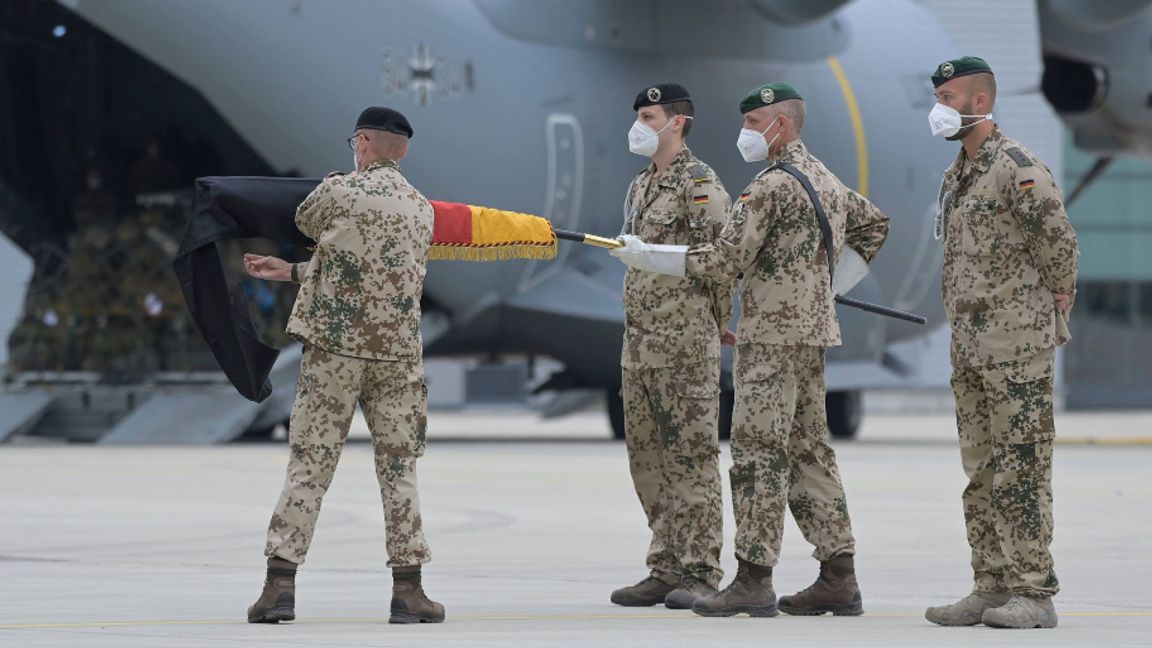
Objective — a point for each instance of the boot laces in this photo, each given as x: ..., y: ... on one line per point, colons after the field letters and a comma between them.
x: 650, y: 580
x: 1014, y: 604
x: 822, y: 578
x: 688, y: 582
x: 742, y: 574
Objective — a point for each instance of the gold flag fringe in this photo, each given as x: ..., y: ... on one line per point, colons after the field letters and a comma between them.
x: 496, y: 252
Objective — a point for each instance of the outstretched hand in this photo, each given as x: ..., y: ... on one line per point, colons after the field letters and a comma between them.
x: 267, y: 267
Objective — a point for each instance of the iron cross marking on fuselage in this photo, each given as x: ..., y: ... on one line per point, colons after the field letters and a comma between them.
x: 423, y: 74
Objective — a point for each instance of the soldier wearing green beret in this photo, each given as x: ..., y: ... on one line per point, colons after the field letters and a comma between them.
x: 670, y: 363
x: 1010, y: 263
x: 781, y: 458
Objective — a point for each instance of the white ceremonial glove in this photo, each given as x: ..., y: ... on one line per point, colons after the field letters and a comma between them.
x: 663, y: 259
x: 850, y: 269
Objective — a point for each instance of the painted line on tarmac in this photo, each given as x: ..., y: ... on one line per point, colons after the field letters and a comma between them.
x: 541, y: 617
x: 1108, y: 441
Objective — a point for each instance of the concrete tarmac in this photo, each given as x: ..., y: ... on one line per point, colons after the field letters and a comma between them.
x: 128, y: 547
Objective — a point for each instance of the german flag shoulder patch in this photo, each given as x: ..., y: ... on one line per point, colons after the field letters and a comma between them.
x: 1026, y: 184
x: 700, y: 200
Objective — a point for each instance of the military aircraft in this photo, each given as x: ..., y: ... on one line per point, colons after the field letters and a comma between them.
x: 524, y: 105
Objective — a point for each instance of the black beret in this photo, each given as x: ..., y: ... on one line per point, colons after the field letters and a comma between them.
x: 665, y: 93
x: 384, y: 119
x: 766, y: 95
x: 949, y: 70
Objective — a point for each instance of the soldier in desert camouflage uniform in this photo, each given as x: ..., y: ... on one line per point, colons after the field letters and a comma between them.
x: 1010, y: 264
x: 780, y: 451
x: 358, y: 316
x: 671, y: 359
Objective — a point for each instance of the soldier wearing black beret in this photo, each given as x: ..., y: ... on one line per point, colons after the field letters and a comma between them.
x: 775, y: 239
x: 670, y: 365
x: 357, y: 315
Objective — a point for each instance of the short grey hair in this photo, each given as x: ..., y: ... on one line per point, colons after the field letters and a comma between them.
x: 793, y: 109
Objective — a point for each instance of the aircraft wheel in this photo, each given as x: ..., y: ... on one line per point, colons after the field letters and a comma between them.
x: 727, y: 401
x: 615, y: 412
x: 845, y: 412
x: 265, y: 433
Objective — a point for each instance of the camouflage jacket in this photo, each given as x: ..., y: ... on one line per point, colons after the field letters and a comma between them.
x: 360, y: 292
x: 773, y: 239
x: 671, y: 321
x: 1008, y: 247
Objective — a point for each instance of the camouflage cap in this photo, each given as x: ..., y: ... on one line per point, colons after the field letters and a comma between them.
x: 766, y: 95
x: 963, y: 66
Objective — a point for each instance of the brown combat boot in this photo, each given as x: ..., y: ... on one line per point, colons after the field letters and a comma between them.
x: 278, y: 600
x: 409, y: 602
x: 691, y: 588
x: 835, y: 591
x: 647, y: 592
x: 750, y: 592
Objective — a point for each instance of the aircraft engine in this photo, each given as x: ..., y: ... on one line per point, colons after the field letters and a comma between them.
x: 1097, y: 74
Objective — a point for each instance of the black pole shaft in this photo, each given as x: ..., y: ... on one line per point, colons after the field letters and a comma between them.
x: 569, y: 236
x: 881, y: 310
x: 847, y: 301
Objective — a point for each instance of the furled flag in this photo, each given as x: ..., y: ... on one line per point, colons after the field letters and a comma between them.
x: 252, y: 207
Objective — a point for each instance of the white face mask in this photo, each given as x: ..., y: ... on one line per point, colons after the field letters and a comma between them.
x: 642, y: 140
x: 752, y: 145
x: 946, y: 121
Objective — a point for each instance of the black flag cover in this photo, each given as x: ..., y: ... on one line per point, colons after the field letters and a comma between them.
x: 232, y: 208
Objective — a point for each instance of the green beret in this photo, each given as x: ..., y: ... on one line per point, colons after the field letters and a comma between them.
x: 949, y: 70
x: 766, y: 95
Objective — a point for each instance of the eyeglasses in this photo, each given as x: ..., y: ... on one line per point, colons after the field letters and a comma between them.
x: 352, y: 140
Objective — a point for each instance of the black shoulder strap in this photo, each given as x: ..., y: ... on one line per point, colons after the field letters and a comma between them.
x: 825, y: 226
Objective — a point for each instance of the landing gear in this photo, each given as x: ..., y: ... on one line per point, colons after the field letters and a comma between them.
x: 845, y: 412
x: 616, y: 412
x: 727, y: 401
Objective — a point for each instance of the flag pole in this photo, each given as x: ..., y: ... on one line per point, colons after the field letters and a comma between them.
x: 604, y: 242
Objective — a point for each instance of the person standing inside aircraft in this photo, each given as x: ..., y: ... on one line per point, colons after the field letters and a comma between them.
x: 780, y: 452
x: 670, y: 365
x: 358, y: 316
x: 1010, y: 264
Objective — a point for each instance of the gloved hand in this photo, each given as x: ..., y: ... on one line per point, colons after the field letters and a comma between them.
x: 664, y: 259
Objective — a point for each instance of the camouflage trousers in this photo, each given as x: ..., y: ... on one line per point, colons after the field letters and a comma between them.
x: 1004, y: 419
x: 670, y: 417
x: 781, y: 456
x: 393, y: 398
